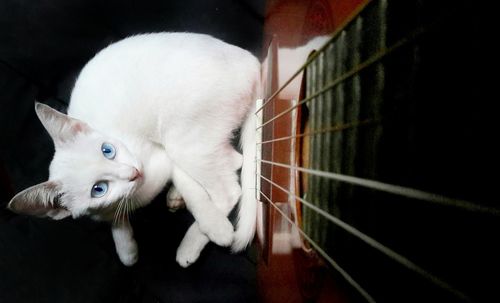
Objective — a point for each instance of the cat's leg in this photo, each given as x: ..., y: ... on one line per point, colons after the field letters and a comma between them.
x: 191, y: 246
x: 236, y: 159
x: 225, y: 186
x: 227, y: 191
x: 125, y: 244
x: 195, y: 240
x: 212, y: 222
x: 174, y: 199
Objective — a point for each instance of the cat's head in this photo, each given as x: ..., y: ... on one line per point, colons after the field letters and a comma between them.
x: 89, y: 172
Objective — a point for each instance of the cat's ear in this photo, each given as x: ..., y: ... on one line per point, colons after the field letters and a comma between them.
x: 60, y: 127
x: 40, y: 200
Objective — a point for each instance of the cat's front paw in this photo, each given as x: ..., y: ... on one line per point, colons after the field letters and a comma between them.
x: 221, y: 231
x: 187, y: 255
x: 127, y: 252
x: 128, y: 258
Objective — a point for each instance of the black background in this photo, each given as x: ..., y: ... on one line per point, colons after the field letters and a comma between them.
x: 43, y: 45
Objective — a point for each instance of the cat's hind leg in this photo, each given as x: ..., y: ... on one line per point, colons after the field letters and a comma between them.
x: 174, y: 199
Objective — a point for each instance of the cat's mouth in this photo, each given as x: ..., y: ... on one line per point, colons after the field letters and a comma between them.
x: 136, y: 180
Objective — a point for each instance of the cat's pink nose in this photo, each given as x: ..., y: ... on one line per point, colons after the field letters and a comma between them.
x: 135, y: 175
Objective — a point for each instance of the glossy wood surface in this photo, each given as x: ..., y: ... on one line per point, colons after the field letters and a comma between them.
x: 289, y: 269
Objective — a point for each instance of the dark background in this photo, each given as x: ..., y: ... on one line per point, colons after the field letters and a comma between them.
x: 43, y: 46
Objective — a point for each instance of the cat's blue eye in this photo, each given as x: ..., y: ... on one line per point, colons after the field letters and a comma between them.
x: 108, y: 150
x: 99, y: 189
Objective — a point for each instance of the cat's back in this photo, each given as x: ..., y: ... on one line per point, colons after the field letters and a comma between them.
x: 149, y: 78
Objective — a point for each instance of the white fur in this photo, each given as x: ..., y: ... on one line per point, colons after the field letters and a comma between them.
x: 125, y: 244
x: 169, y: 103
x: 248, y: 210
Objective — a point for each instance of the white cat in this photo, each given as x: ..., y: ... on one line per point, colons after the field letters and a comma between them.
x: 147, y: 110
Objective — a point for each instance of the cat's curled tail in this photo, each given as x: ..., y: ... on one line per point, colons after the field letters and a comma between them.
x: 247, y: 213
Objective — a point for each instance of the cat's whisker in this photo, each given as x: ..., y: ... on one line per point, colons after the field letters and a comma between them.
x: 124, y: 211
x: 118, y: 212
x: 125, y: 207
x: 131, y: 207
x: 127, y: 210
x: 115, y: 214
x: 135, y: 205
